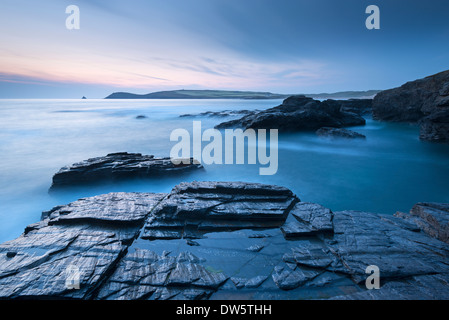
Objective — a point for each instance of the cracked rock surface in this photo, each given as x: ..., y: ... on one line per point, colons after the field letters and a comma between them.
x: 252, y: 241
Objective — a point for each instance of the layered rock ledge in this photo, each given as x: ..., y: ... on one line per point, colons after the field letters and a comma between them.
x: 119, y: 166
x: 224, y: 240
x: 300, y: 113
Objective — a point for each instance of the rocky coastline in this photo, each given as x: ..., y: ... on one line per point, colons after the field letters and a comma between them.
x: 424, y: 102
x: 238, y: 240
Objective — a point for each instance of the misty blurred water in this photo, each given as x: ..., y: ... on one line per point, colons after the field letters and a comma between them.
x: 389, y: 171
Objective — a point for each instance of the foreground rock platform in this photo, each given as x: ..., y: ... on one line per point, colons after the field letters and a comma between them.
x: 223, y: 240
x: 119, y: 166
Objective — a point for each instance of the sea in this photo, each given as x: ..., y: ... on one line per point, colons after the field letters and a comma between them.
x: 389, y: 171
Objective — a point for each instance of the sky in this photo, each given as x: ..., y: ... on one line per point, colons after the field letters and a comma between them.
x: 280, y: 46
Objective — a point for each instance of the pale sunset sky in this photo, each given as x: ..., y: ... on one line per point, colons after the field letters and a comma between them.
x: 281, y: 46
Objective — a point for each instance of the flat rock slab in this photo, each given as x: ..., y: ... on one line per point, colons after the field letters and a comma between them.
x: 221, y: 114
x: 199, y: 207
x: 121, y: 208
x: 100, y: 248
x: 119, y: 166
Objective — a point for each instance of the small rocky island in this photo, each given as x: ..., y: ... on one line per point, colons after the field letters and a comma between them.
x: 119, y: 166
x: 225, y: 240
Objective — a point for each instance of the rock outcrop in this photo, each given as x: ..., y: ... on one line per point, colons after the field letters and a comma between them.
x: 339, y: 133
x: 299, y: 113
x: 119, y: 166
x: 193, y: 209
x: 425, y: 101
x: 431, y: 218
x: 252, y: 241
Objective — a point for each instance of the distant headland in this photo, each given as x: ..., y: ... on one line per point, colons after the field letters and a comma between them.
x: 223, y: 94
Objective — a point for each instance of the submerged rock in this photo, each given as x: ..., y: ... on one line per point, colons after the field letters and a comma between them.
x: 119, y: 166
x: 431, y: 218
x: 339, y: 133
x: 105, y: 240
x: 221, y: 114
x: 299, y: 113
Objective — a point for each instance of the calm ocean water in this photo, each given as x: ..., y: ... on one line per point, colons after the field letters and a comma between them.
x: 389, y: 172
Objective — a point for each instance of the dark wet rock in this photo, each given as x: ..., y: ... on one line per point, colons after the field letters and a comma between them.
x: 425, y: 287
x: 314, y: 215
x: 431, y: 218
x: 119, y: 166
x: 195, y: 275
x: 298, y: 113
x: 425, y: 101
x: 107, y: 239
x: 248, y: 283
x: 295, y: 229
x: 362, y: 107
x: 413, y: 100
x: 140, y: 117
x: 199, y: 207
x: 255, y: 247
x: 364, y: 239
x: 339, y: 133
x: 144, y: 274
x: 120, y: 207
x: 255, y: 282
x: 259, y: 235
x: 313, y: 256
x: 11, y: 254
x: 94, y: 246
x: 220, y: 114
x: 310, y: 219
x: 239, y: 282
x: 435, y: 127
x: 287, y: 279
x: 192, y: 243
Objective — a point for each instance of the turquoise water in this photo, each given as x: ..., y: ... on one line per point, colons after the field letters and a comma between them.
x: 390, y: 171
